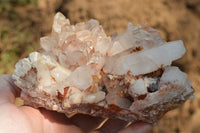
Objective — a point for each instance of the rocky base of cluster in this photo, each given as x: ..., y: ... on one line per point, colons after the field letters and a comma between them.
x: 142, y: 112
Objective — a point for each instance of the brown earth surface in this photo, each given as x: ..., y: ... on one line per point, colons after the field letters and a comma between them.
x: 176, y: 19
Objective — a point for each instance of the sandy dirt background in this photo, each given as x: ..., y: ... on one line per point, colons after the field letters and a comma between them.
x: 22, y: 24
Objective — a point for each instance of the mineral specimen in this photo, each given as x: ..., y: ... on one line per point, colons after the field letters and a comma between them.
x: 79, y: 69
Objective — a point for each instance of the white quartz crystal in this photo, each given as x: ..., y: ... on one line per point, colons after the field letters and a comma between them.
x: 133, y: 37
x: 73, y: 96
x: 81, y: 64
x: 59, y: 21
x: 81, y: 77
x: 149, y: 60
x: 94, y: 97
x: 137, y: 88
x: 47, y: 44
x: 173, y: 75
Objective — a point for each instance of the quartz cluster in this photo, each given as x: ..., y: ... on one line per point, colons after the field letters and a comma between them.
x: 79, y: 69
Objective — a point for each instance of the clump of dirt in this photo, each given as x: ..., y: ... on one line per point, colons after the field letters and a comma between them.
x: 22, y: 25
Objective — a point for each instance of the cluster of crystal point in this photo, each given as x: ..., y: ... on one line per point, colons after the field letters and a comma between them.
x: 80, y: 65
